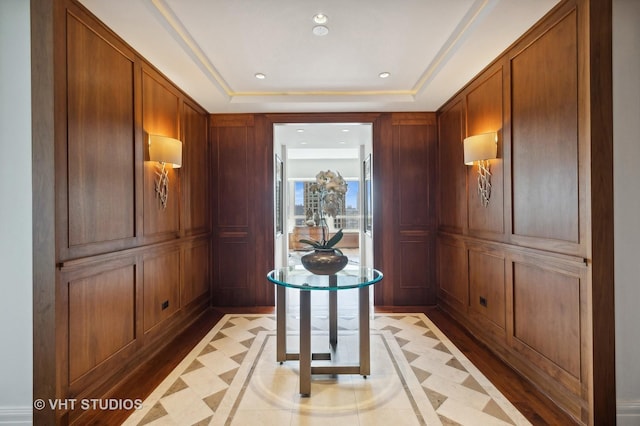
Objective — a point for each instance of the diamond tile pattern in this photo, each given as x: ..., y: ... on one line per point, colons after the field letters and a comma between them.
x: 417, y: 377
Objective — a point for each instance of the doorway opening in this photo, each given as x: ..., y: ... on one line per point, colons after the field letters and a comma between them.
x: 301, y: 151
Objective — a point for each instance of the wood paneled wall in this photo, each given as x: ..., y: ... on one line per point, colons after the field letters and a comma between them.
x: 404, y: 176
x: 129, y: 274
x: 520, y: 273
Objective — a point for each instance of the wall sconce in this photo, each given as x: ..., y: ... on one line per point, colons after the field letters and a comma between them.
x: 482, y: 148
x: 166, y: 151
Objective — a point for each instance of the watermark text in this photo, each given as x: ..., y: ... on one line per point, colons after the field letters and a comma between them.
x: 88, y: 404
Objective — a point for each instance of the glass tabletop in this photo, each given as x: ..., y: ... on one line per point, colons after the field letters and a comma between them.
x: 300, y: 278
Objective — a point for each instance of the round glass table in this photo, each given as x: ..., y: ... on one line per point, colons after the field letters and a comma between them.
x: 303, y: 280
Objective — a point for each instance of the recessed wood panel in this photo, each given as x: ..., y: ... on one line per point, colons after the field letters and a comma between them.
x: 451, y: 169
x: 160, y: 105
x: 161, y: 288
x: 413, y: 147
x: 232, y: 286
x: 547, y: 314
x: 233, y: 257
x: 160, y: 115
x: 196, y: 272
x: 195, y: 158
x: 232, y: 176
x: 416, y: 284
x: 487, y: 286
x: 484, y: 114
x: 100, y: 102
x: 453, y: 276
x: 101, y: 318
x: 544, y: 118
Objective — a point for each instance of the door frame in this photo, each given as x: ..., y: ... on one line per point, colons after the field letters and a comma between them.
x: 319, y: 118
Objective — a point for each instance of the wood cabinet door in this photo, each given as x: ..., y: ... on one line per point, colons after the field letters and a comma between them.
x: 404, y: 157
x: 242, y: 211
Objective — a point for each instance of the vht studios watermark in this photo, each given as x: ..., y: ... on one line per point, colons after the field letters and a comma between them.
x: 88, y: 404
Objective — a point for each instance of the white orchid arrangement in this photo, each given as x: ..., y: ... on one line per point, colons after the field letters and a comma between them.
x: 331, y: 188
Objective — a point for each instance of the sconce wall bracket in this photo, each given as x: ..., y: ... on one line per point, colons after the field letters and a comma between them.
x: 484, y: 181
x: 162, y: 184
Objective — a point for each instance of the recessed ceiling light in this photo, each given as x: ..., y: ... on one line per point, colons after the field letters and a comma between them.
x: 303, y: 143
x: 300, y: 130
x: 384, y: 74
x: 320, y: 30
x: 345, y: 130
x: 342, y: 142
x: 260, y: 76
x: 320, y: 18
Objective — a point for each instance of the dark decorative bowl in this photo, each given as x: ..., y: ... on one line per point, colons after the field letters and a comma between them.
x: 324, y: 262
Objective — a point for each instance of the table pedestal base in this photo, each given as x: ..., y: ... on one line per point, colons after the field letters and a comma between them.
x: 305, y: 356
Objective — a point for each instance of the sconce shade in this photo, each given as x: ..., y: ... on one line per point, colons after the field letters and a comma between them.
x: 166, y: 150
x: 480, y: 147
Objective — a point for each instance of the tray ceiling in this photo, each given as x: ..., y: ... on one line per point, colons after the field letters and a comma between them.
x: 213, y: 49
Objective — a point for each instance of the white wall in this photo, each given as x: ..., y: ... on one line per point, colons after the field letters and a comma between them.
x: 626, y: 128
x: 302, y: 169
x: 16, y: 362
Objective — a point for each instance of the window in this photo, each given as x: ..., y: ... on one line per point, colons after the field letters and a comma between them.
x: 350, y: 217
x: 305, y: 202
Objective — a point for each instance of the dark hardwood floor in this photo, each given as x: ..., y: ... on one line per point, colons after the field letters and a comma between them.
x: 536, y: 407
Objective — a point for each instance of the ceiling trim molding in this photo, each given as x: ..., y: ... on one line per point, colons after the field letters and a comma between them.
x: 399, y: 96
x: 327, y: 93
x: 190, y: 46
x: 476, y: 11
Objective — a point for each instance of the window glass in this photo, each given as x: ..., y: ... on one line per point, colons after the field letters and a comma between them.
x: 306, y: 204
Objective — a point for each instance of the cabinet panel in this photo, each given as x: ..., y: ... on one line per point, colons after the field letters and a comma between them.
x: 453, y: 275
x: 232, y: 176
x: 413, y: 146
x: 196, y: 272
x: 484, y: 114
x: 547, y: 314
x: 100, y: 150
x: 195, y: 158
x: 487, y: 286
x: 160, y: 115
x: 544, y: 136
x: 451, y: 169
x: 232, y: 284
x: 416, y: 274
x: 161, y: 288
x: 101, y: 318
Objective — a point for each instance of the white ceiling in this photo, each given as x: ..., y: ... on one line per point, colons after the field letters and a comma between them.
x: 323, y: 140
x: 212, y: 49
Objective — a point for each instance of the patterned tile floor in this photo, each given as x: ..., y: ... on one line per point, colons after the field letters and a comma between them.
x: 418, y: 377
